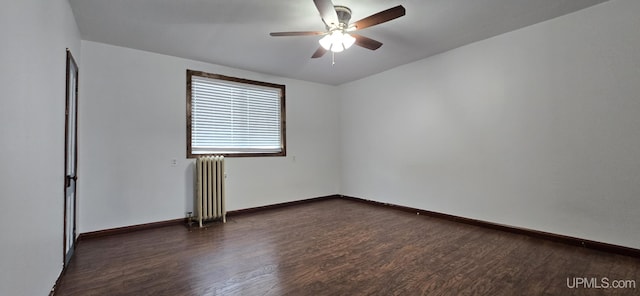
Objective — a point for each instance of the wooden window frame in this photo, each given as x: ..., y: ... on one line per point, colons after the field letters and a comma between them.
x: 283, y: 142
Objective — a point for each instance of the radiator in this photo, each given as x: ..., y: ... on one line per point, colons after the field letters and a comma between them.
x: 210, y: 189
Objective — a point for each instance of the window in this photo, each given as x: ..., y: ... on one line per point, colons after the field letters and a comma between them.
x: 234, y: 116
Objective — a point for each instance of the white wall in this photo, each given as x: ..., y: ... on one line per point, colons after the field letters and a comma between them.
x: 133, y: 123
x: 35, y: 35
x: 537, y: 128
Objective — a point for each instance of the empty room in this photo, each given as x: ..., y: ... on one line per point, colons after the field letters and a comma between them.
x: 320, y: 147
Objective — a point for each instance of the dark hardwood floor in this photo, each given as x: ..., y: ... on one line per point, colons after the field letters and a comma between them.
x: 339, y: 247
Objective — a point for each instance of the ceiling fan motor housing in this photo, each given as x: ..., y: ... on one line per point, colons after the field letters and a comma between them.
x: 344, y: 15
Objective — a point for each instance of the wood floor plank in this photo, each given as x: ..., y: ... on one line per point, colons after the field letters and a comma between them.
x: 336, y: 247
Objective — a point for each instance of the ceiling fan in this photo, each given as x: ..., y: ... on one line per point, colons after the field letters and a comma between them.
x: 338, y: 35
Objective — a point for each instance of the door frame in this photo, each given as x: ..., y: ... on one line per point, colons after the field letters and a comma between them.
x: 71, y: 66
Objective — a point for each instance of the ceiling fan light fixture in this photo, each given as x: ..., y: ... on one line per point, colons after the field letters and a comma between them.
x: 348, y: 40
x: 337, y: 47
x: 337, y: 41
x: 326, y: 42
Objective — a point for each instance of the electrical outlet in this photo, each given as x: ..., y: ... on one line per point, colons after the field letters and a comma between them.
x: 174, y: 162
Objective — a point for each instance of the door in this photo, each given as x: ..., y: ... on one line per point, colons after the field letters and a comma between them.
x: 70, y: 158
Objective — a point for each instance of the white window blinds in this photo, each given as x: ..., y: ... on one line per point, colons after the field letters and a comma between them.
x: 230, y: 117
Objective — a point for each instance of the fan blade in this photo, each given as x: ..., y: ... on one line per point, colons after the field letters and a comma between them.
x: 320, y: 52
x: 327, y: 12
x: 380, y: 17
x: 301, y: 33
x: 366, y: 42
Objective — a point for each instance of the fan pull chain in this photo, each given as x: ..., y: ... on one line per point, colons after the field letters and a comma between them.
x: 333, y: 58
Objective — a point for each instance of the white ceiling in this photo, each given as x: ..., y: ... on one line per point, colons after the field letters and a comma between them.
x: 235, y: 33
